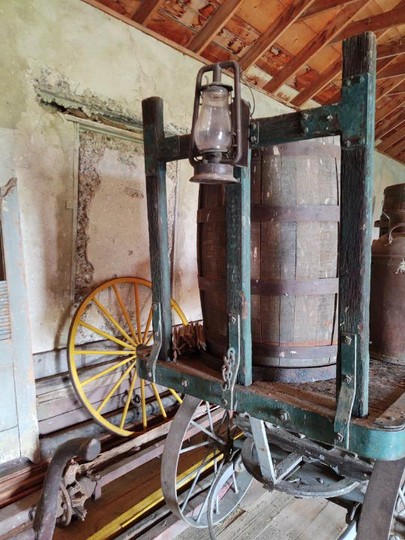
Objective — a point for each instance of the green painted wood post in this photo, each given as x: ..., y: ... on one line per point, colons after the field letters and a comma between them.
x: 155, y: 170
x: 359, y: 56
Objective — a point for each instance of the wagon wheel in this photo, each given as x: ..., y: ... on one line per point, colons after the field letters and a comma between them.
x: 110, y: 329
x: 203, y: 477
x: 383, y: 513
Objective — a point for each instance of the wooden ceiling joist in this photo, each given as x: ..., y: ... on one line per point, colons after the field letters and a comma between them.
x: 390, y: 105
x: 398, y: 89
x: 391, y: 48
x: 146, y: 10
x: 270, y: 36
x: 398, y: 149
x: 371, y: 24
x: 392, y: 139
x: 392, y: 121
x: 326, y: 78
x: 323, y: 38
x: 387, y: 86
x: 393, y: 70
x: 214, y: 25
x: 320, y: 6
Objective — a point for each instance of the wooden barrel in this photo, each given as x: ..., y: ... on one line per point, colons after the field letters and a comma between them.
x: 294, y: 248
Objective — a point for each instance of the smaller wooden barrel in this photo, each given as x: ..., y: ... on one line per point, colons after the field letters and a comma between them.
x: 393, y: 211
x: 294, y: 255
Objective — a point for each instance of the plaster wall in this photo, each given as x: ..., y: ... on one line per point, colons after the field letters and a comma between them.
x: 69, y: 47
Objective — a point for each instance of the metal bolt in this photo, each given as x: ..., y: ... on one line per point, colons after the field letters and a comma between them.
x: 348, y: 340
x: 347, y: 82
x: 149, y: 374
x: 339, y: 437
x: 329, y: 118
x: 225, y: 402
x: 184, y: 383
x: 253, y: 126
x: 154, y: 307
x: 306, y: 130
x: 253, y: 139
x: 347, y: 143
x: 347, y: 379
x: 305, y: 116
x: 283, y: 415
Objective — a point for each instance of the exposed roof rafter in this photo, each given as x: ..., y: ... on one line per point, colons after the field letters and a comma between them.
x: 323, y: 38
x: 270, y: 36
x: 146, y: 10
x: 392, y: 139
x: 214, y: 25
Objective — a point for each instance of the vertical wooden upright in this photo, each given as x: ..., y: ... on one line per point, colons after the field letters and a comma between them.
x: 155, y: 170
x: 357, y: 114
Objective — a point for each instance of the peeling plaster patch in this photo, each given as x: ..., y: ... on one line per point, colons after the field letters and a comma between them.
x: 53, y: 88
x: 134, y: 193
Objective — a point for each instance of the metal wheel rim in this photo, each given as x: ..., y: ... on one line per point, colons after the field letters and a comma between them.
x: 226, y: 496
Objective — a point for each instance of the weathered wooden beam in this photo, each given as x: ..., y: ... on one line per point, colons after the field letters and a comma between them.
x: 214, y: 25
x: 394, y: 17
x: 146, y: 10
x: 326, y: 77
x: 320, y: 6
x: 270, y: 36
x: 389, y: 123
x: 393, y: 138
x: 356, y: 225
x: 393, y: 70
x: 155, y: 172
x: 392, y: 48
x: 321, y: 40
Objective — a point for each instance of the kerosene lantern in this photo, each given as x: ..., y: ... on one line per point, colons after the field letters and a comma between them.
x: 216, y: 145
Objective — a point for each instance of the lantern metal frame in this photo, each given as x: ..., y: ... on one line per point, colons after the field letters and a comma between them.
x: 219, y: 165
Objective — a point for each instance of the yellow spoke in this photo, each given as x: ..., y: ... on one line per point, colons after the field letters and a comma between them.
x: 108, y: 315
x: 128, y: 401
x: 156, y: 392
x: 125, y: 313
x: 108, y: 370
x: 176, y: 395
x: 104, y: 351
x: 145, y: 333
x: 105, y: 335
x: 143, y: 402
x: 115, y: 387
x: 138, y: 312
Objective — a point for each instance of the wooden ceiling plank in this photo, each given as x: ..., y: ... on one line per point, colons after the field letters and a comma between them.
x: 270, y: 36
x: 387, y: 86
x: 146, y: 10
x: 321, y: 40
x: 214, y: 25
x: 320, y: 6
x: 326, y: 77
x: 394, y: 17
x: 389, y: 123
x: 391, y: 48
x: 398, y: 149
x: 393, y: 70
x: 392, y: 139
x: 388, y: 108
x: 399, y: 88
